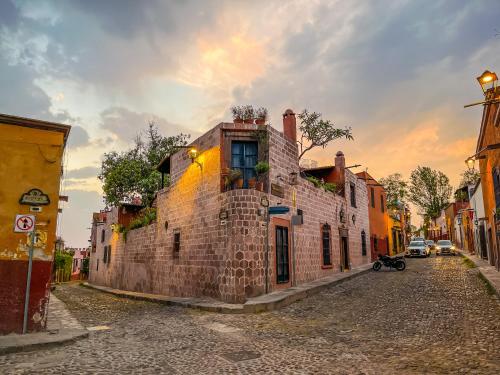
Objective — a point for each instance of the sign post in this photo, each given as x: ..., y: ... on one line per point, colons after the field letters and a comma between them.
x: 26, y: 224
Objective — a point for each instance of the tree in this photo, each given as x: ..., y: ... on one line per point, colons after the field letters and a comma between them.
x: 469, y: 177
x: 429, y: 190
x: 132, y: 174
x: 396, y: 189
x: 316, y: 132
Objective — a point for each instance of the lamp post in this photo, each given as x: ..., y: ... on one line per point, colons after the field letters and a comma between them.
x: 487, y: 81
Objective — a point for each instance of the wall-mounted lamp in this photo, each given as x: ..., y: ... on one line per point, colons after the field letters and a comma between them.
x: 470, y: 163
x: 193, y: 153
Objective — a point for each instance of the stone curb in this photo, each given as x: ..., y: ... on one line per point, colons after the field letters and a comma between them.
x: 268, y: 302
x: 489, y: 274
x: 18, y: 343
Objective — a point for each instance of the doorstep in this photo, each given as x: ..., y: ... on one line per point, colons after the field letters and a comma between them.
x: 488, y: 271
x: 266, y: 302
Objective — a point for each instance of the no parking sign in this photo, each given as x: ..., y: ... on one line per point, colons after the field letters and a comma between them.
x: 24, y: 223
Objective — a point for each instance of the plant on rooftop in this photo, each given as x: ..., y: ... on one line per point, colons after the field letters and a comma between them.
x: 329, y: 186
x: 261, y: 114
x: 146, y: 217
x: 237, y: 113
x: 132, y: 174
x: 316, y: 132
x: 248, y: 114
x: 262, y: 167
x: 316, y: 182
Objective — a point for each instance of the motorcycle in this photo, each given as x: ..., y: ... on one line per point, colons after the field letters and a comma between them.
x: 397, y: 262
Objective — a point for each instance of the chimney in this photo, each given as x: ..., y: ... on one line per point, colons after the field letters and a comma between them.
x: 339, y: 172
x: 290, y: 126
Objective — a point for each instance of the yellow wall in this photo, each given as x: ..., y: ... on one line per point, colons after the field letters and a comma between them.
x: 29, y: 158
x: 396, y: 225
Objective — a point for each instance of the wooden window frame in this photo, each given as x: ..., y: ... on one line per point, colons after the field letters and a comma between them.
x: 177, y: 244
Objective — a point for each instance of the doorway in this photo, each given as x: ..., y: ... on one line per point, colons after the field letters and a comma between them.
x: 344, y: 253
x: 282, y: 261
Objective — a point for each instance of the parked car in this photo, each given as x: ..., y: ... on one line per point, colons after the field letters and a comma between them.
x: 445, y: 247
x: 418, y: 239
x: 431, y: 244
x: 418, y: 248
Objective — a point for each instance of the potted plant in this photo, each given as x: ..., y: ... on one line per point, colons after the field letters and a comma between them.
x: 261, y: 116
x: 252, y: 183
x: 261, y: 168
x: 231, y: 179
x: 237, y: 113
x: 248, y: 114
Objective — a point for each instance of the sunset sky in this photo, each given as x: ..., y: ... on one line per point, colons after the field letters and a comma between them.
x: 397, y: 72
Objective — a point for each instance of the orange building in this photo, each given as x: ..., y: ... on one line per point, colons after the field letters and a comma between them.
x: 378, y: 215
x: 488, y: 154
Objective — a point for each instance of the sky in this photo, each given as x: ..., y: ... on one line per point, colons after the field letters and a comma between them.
x: 397, y: 72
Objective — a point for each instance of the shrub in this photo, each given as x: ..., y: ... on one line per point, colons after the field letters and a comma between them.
x: 262, y: 167
x: 314, y: 180
x: 328, y: 186
x: 147, y: 216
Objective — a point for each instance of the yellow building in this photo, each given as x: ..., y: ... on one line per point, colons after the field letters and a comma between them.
x: 30, y: 172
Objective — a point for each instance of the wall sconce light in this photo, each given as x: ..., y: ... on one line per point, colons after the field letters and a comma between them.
x: 193, y: 153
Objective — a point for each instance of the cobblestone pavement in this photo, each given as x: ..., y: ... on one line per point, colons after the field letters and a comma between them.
x: 435, y: 318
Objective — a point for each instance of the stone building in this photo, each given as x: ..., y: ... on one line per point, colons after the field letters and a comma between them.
x: 214, y: 237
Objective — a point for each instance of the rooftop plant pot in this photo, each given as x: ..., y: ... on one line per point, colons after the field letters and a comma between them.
x: 251, y: 183
x: 248, y: 121
x: 260, y: 185
x: 239, y: 183
x: 238, y: 120
x: 260, y: 121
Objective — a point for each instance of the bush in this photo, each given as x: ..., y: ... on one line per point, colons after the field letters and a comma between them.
x: 328, y: 186
x: 145, y: 218
x: 64, y: 261
x: 261, y: 167
x: 314, y: 180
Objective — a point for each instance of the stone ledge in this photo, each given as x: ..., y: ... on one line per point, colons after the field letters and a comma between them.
x: 17, y: 343
x: 489, y: 272
x: 267, y: 302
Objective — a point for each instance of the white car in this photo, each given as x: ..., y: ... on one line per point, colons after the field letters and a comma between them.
x: 418, y: 249
x: 445, y: 247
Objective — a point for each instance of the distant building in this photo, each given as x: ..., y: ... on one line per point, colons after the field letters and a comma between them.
x: 378, y: 214
x: 31, y: 165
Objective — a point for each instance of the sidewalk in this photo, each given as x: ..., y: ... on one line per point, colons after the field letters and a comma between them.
x: 489, y: 272
x: 266, y: 302
x: 62, y: 328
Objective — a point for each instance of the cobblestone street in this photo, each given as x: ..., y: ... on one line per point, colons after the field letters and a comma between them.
x: 435, y: 317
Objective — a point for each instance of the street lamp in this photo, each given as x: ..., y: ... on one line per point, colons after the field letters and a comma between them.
x: 487, y: 80
x: 470, y: 163
x: 193, y: 154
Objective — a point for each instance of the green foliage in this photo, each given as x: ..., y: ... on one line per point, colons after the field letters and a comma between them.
x: 147, y: 216
x: 316, y: 132
x: 262, y: 167
x: 132, y: 174
x: 396, y: 189
x: 469, y: 177
x: 64, y: 261
x: 232, y: 176
x: 429, y: 190
x: 461, y: 196
x: 261, y: 113
x: 328, y: 186
x: 85, y: 266
x: 314, y: 180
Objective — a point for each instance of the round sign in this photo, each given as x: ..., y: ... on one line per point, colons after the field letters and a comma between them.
x: 25, y: 223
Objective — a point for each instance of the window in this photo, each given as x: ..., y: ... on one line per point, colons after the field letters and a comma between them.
x: 382, y: 203
x: 103, y: 235
x: 372, y: 191
x: 109, y: 254
x: 325, y: 235
x: 177, y: 243
x: 353, y: 195
x: 105, y: 257
x: 97, y: 267
x: 375, y: 243
x: 244, y: 158
x: 363, y: 242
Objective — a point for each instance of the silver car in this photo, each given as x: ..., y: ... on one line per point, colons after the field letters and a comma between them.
x: 418, y: 249
x: 445, y: 247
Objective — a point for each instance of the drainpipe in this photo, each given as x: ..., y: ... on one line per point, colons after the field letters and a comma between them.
x: 28, y: 282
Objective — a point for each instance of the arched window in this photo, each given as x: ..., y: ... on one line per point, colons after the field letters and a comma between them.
x: 363, y: 242
x: 103, y: 235
x: 326, y: 244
